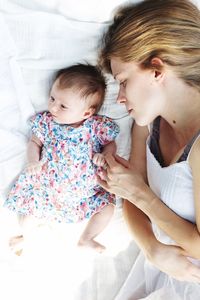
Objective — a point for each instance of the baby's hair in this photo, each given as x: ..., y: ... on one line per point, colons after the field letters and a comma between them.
x: 85, y: 79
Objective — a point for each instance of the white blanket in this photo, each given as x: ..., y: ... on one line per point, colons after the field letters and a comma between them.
x: 37, y: 38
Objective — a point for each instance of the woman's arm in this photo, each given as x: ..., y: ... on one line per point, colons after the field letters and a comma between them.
x: 169, y: 259
x: 185, y: 233
x: 129, y: 184
x: 128, y: 181
x: 194, y: 161
x: 138, y: 223
x: 141, y: 229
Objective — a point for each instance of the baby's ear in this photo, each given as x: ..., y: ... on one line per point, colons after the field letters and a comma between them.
x: 89, y: 112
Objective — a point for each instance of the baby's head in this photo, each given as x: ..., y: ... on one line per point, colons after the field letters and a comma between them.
x: 77, y: 93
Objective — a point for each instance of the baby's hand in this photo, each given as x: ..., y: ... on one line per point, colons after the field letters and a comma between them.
x: 99, y: 160
x: 33, y: 167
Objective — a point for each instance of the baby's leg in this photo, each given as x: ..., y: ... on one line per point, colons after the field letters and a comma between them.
x: 16, y: 242
x: 95, y: 226
x: 27, y: 223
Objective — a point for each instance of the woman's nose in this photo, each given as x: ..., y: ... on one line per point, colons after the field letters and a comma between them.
x: 121, y: 98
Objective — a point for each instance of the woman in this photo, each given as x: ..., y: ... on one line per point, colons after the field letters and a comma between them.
x: 153, y: 50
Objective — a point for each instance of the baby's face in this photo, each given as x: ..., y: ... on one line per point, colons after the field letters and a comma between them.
x: 67, y: 106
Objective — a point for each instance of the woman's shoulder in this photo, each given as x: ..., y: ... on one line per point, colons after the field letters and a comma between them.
x: 194, y: 155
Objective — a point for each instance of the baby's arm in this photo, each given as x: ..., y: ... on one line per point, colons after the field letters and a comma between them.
x: 99, y: 158
x: 33, y: 155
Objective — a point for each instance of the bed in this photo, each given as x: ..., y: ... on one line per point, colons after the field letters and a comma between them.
x: 37, y: 38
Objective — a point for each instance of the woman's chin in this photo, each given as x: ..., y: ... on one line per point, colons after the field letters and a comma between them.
x: 141, y: 122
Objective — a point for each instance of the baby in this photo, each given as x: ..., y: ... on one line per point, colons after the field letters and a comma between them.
x: 65, y: 153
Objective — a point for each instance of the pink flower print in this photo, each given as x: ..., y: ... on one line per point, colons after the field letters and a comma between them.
x: 87, y: 135
x: 83, y: 205
x: 55, y: 202
x: 37, y: 185
x: 62, y: 145
x: 51, y: 172
x: 17, y: 188
x: 55, y: 156
x: 51, y: 183
x: 59, y: 190
x: 83, y: 168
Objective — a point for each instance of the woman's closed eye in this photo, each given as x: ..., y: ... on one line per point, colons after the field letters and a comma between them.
x: 123, y: 83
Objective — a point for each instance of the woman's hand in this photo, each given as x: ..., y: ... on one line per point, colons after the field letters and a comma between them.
x: 174, y: 261
x: 120, y: 179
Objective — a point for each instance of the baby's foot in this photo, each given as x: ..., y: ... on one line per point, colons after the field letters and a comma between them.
x: 16, y: 244
x: 92, y: 244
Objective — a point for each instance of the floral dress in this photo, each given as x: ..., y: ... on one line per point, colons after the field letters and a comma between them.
x: 66, y: 189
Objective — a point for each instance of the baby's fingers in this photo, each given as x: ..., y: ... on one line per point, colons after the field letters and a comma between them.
x: 99, y: 160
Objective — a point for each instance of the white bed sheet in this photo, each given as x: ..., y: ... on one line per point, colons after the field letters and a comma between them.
x: 37, y: 38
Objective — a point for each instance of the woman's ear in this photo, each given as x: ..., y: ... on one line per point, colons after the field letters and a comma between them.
x: 158, y: 67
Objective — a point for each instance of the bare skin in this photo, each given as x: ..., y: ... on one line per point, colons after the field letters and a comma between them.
x: 170, y: 98
x: 95, y: 226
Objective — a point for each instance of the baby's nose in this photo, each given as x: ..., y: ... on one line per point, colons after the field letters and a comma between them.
x: 54, y: 108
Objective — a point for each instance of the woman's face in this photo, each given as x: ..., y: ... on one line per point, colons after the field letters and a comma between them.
x: 140, y: 90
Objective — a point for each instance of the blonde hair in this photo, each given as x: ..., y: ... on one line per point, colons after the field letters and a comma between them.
x: 168, y: 29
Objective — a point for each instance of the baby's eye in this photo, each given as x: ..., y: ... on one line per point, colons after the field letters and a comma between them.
x: 123, y: 83
x: 52, y: 98
x: 63, y: 107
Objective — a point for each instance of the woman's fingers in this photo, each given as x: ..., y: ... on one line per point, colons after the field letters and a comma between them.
x: 102, y: 183
x: 192, y: 278
x: 122, y: 161
x: 116, y: 162
x: 112, y: 177
x: 110, y: 160
x: 195, y: 278
x: 195, y: 272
